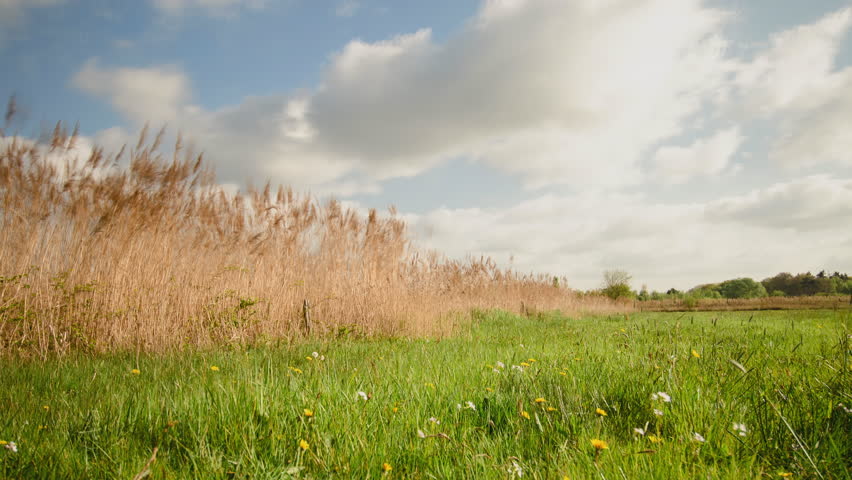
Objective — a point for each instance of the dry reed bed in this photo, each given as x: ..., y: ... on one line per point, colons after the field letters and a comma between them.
x: 817, y: 302
x: 141, y: 251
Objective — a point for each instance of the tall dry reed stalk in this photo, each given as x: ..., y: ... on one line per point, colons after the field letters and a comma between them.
x: 140, y: 251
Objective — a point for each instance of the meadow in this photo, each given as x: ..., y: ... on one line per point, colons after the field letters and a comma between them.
x: 644, y: 395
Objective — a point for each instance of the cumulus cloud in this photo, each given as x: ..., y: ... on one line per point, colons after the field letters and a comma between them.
x: 796, y: 83
x: 816, y: 202
x: 141, y: 94
x: 523, y: 88
x: 704, y: 157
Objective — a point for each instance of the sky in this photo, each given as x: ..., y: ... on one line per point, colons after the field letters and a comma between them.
x: 683, y: 141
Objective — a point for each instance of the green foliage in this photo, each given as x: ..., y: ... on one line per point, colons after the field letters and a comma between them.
x: 742, y: 288
x: 809, y: 284
x: 245, y: 418
x: 617, y: 284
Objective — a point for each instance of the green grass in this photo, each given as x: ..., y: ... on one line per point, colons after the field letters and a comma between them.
x: 94, y: 418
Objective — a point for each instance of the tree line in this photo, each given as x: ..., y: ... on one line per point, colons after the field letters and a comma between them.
x: 617, y: 285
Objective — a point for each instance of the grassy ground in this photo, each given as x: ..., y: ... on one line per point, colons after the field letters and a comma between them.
x: 281, y: 413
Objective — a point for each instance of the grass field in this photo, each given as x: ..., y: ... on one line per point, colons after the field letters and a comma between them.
x: 752, y: 395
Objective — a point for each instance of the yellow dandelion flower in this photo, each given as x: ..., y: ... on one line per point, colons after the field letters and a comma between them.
x: 599, y: 444
x: 386, y: 467
x: 564, y: 374
x: 532, y: 360
x: 525, y: 364
x: 655, y: 439
x: 696, y: 354
x: 304, y: 445
x: 785, y: 474
x: 525, y: 414
x: 308, y: 413
x: 46, y: 408
x: 214, y: 368
x: 135, y: 371
x: 3, y: 442
x: 430, y: 385
x: 540, y: 400
x: 489, y: 389
x: 551, y: 409
x: 600, y: 411
x: 295, y: 370
x: 309, y: 358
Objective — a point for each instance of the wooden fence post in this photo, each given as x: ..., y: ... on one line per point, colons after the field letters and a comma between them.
x: 306, y: 317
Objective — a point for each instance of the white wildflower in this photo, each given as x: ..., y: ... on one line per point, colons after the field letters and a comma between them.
x: 470, y: 405
x: 434, y: 420
x: 501, y: 365
x: 421, y: 433
x: 740, y: 428
x: 458, y: 406
x: 518, y: 368
x: 363, y: 396
x: 664, y: 397
x: 516, y: 469
x: 658, y: 413
x: 697, y: 437
x: 639, y: 431
x: 11, y: 446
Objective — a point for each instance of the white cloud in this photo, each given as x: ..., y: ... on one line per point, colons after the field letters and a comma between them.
x: 705, y: 157
x: 795, y: 71
x: 816, y: 202
x: 796, y: 226
x: 212, y: 7
x: 347, y: 8
x: 522, y: 88
x: 141, y: 94
x: 796, y: 83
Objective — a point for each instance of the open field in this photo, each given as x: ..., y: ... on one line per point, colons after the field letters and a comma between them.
x: 752, y: 395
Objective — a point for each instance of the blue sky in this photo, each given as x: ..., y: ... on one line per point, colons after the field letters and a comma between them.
x: 685, y: 141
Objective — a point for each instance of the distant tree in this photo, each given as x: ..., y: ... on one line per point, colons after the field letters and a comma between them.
x: 616, y: 284
x: 710, y: 290
x: 783, y: 282
x: 742, y: 288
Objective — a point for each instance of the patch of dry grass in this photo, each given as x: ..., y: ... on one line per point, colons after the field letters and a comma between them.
x: 143, y: 251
